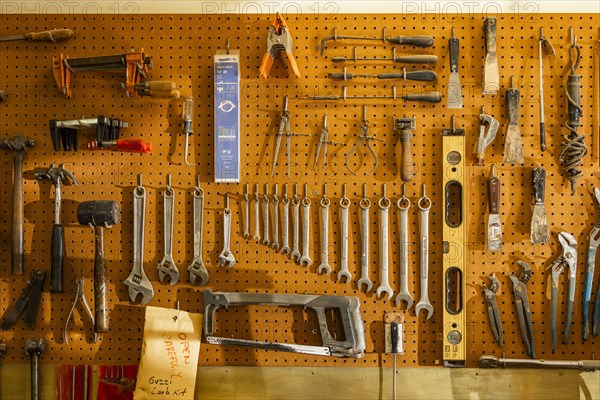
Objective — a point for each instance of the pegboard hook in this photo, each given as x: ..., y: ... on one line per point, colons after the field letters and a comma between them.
x: 227, y: 45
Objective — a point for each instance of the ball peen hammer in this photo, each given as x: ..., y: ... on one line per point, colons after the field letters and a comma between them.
x: 99, y: 214
x: 19, y: 145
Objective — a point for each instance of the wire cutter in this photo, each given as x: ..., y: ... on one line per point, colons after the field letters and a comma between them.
x: 568, y: 259
x: 492, y: 307
x: 364, y: 135
x: 278, y: 40
x: 523, y: 307
x: 594, y: 241
x: 79, y: 296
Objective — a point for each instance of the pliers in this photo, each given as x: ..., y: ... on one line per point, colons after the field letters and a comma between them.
x: 79, y: 296
x: 594, y: 241
x: 568, y: 259
x: 523, y: 307
x: 278, y: 39
x: 492, y: 307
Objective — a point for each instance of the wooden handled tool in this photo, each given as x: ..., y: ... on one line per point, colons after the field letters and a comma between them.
x: 99, y: 214
x: 406, y: 126
x: 55, y: 35
x: 494, y: 226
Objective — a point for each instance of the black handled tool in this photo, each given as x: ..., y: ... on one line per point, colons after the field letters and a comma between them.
x: 58, y: 176
x: 418, y: 41
x: 422, y: 75
x: 99, y: 214
x: 29, y: 299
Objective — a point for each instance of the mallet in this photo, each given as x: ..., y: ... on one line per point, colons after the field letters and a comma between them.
x: 99, y: 214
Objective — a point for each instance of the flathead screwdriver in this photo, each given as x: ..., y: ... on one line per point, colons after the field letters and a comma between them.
x: 423, y: 75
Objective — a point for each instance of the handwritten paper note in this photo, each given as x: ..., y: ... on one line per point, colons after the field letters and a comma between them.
x: 169, y: 360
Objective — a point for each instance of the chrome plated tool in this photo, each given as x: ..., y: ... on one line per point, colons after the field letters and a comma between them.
x: 323, y: 142
x: 226, y: 258
x: 487, y: 134
x: 344, y: 274
x: 197, y: 269
x: 490, y: 294
x: 365, y: 205
x: 545, y: 48
x: 384, y: 284
x: 424, y: 205
x: 363, y: 135
x: 540, y: 234
x: 523, y: 308
x: 491, y: 74
x: 454, y: 94
x: 493, y: 362
x: 325, y: 203
x: 404, y: 294
x: 494, y: 228
x: 166, y: 267
x: 513, y: 143
x: 305, y: 258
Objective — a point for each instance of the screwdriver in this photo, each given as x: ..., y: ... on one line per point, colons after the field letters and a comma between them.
x: 55, y: 35
x: 423, y: 75
x: 418, y: 41
x: 409, y: 59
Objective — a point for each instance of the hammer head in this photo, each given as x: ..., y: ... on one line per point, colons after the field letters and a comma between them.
x: 58, y: 175
x: 99, y: 213
x: 16, y: 143
x: 35, y: 346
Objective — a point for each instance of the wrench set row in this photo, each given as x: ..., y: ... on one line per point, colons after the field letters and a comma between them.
x: 301, y: 228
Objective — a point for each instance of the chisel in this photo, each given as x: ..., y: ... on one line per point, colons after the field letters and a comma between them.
x: 540, y: 233
x: 422, y: 75
x: 454, y: 89
x: 513, y: 144
x: 494, y: 226
x: 55, y: 35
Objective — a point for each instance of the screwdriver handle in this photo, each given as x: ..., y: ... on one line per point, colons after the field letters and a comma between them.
x: 419, y: 41
x: 428, y: 97
x: 407, y: 169
x: 340, y: 75
x: 423, y: 75
x: 159, y: 86
x: 55, y: 35
x: 417, y: 59
x: 173, y: 94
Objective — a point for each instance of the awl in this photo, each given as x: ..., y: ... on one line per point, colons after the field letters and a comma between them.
x: 55, y: 35
x: 494, y: 229
x: 491, y: 75
x: 454, y: 88
x: 418, y: 41
x: 540, y: 233
x: 513, y: 144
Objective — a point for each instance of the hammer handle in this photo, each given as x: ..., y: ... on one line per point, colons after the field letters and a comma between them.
x: 17, y: 217
x: 57, y: 257
x: 100, y: 311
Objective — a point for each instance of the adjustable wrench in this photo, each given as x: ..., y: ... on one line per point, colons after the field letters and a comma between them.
x: 275, y: 244
x: 384, y: 286
x: 325, y: 202
x: 226, y: 258
x: 256, y: 215
x: 305, y: 259
x: 197, y: 268
x: 167, y: 265
x: 344, y: 273
x: 296, y: 228
x: 404, y: 294
x: 246, y: 214
x: 265, y: 239
x: 137, y: 281
x: 424, y: 204
x: 285, y: 201
x: 365, y: 205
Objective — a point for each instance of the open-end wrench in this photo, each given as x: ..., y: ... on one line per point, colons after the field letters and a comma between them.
x: 325, y: 202
x: 344, y: 205
x: 167, y: 267
x: 197, y: 268
x: 285, y: 239
x: 365, y: 205
x: 246, y: 214
x: 256, y: 215
x: 275, y: 243
x: 137, y: 281
x: 226, y: 258
x: 265, y: 201
x: 424, y: 204
x: 384, y: 207
x: 305, y: 259
x: 296, y: 228
x: 404, y: 294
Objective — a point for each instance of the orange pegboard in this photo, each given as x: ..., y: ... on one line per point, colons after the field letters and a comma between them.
x: 182, y: 47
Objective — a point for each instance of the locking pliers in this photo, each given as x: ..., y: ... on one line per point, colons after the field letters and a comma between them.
x: 278, y: 40
x: 568, y: 258
x: 492, y: 307
x: 523, y: 307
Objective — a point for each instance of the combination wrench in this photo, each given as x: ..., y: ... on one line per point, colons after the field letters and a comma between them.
x: 344, y: 273
x: 246, y: 213
x: 296, y: 226
x: 424, y: 204
x: 167, y: 266
x: 256, y: 215
x: 365, y: 205
x: 384, y: 207
x: 197, y: 269
x: 275, y: 244
x: 404, y: 294
x: 305, y: 259
x: 285, y: 202
x: 226, y: 258
x: 325, y: 203
x: 265, y: 201
x: 137, y: 281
